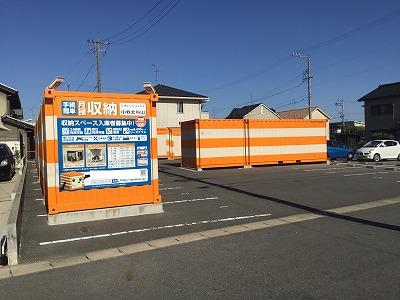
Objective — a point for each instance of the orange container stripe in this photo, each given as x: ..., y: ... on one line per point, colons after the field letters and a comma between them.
x: 215, y: 162
x: 267, y: 141
x: 227, y: 161
x: 100, y: 198
x: 287, y: 123
x: 162, y: 130
x: 287, y: 158
x: 51, y: 151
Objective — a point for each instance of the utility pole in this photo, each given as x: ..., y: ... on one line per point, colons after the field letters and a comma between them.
x: 341, y: 113
x: 97, y: 44
x: 309, y: 84
x: 307, y: 75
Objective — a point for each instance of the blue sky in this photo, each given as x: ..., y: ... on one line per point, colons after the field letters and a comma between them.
x: 235, y: 52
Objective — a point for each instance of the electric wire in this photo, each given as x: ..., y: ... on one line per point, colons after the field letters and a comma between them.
x: 120, y: 41
x: 118, y: 34
x: 85, y: 77
x: 346, y: 35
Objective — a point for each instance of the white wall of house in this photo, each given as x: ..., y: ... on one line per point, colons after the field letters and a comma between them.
x: 316, y: 114
x: 168, y: 115
x: 261, y: 112
x: 3, y: 106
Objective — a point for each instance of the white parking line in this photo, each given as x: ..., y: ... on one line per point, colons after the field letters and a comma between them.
x: 153, y: 228
x: 328, y: 169
x: 170, y: 188
x: 362, y: 174
x: 191, y: 200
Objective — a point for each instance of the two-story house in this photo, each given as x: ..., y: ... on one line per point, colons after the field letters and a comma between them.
x: 382, y: 110
x: 173, y: 107
x: 10, y: 105
x: 15, y: 132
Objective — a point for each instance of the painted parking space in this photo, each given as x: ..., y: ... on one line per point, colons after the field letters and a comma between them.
x: 199, y: 201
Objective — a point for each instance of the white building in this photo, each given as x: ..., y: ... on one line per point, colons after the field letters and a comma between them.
x: 175, y: 106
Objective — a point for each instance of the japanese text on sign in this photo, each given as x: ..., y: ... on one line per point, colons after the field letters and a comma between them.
x: 97, y: 108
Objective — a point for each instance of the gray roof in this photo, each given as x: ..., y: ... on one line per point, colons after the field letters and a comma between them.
x: 240, y: 112
x: 165, y: 91
x: 383, y: 91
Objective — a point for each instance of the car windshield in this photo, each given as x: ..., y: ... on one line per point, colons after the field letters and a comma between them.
x: 372, y: 144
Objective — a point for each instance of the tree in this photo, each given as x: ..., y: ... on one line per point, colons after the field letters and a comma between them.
x: 382, y: 136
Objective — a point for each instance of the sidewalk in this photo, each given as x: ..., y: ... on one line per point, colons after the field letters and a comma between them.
x: 6, y: 200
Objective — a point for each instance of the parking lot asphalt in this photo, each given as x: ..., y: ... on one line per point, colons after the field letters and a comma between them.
x: 211, y: 199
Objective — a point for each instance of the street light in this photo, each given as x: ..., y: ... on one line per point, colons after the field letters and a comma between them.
x: 56, y: 82
x: 149, y: 88
x: 307, y: 58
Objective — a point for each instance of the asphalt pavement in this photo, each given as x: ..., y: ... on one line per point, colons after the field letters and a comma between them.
x: 312, y: 231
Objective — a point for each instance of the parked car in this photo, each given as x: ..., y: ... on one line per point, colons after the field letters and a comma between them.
x: 7, y: 162
x: 379, y: 149
x: 339, y: 150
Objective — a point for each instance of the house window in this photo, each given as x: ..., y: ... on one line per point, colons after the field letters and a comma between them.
x: 179, y: 107
x: 382, y: 109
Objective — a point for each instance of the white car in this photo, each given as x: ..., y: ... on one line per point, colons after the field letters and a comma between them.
x: 379, y: 149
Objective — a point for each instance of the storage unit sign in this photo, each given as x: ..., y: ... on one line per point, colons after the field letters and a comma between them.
x: 103, y: 144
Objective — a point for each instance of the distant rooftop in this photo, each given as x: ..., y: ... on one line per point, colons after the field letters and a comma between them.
x: 383, y: 91
x: 165, y: 91
x: 240, y: 112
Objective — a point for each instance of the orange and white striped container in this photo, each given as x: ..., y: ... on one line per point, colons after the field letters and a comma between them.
x: 213, y: 143
x: 162, y: 142
x: 97, y: 150
x: 174, y: 143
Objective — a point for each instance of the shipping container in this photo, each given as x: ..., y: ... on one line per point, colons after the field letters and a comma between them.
x: 97, y: 150
x: 169, y: 142
x: 218, y: 143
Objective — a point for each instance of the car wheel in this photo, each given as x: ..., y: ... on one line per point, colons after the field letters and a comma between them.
x: 398, y: 157
x: 376, y: 157
x: 350, y: 156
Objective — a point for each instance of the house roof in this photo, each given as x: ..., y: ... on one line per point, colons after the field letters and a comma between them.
x: 12, y: 95
x: 165, y: 91
x: 241, y: 112
x: 382, y: 91
x: 27, y: 126
x: 301, y: 113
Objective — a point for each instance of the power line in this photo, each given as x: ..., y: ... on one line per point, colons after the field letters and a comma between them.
x: 250, y: 76
x: 85, y: 77
x: 281, y: 92
x: 355, y: 31
x: 74, y: 68
x: 135, y: 22
x: 120, y: 41
x: 309, y: 49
